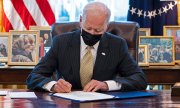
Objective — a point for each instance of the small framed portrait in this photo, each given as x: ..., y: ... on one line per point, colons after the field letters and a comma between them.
x: 175, y: 32
x: 4, y: 47
x: 45, y: 39
x: 144, y: 32
x: 160, y: 49
x: 23, y: 47
x: 143, y: 55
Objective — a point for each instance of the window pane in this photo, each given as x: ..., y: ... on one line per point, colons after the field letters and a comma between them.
x: 70, y: 10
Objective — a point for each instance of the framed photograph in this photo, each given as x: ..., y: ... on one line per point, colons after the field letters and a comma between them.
x: 4, y: 47
x: 160, y: 49
x: 45, y: 39
x: 175, y: 32
x: 23, y: 47
x: 143, y: 55
x: 144, y: 32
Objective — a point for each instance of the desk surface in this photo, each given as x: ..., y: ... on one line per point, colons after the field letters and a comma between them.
x: 163, y: 100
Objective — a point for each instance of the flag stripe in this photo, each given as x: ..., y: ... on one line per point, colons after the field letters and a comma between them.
x: 23, y: 13
x: 20, y: 14
x: 34, y: 10
x: 56, y: 7
x: 46, y: 11
x: 12, y: 16
x: 6, y: 24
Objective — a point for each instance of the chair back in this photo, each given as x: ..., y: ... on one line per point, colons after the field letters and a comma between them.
x: 127, y: 30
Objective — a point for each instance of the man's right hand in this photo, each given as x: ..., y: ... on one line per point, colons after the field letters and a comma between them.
x: 62, y: 86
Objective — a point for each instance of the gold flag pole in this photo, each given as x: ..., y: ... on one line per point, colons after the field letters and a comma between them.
x: 178, y: 7
x: 1, y: 11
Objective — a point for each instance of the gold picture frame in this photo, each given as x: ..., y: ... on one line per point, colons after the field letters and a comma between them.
x: 23, y: 47
x: 175, y: 32
x: 144, y: 31
x: 143, y: 55
x: 160, y: 49
x: 44, y: 40
x: 4, y: 36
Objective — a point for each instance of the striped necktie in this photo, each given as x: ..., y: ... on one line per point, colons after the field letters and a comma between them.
x: 86, y: 68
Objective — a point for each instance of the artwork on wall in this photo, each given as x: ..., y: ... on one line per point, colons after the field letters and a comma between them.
x: 175, y: 32
x: 160, y: 49
x: 144, y: 32
x: 23, y: 49
x: 143, y: 55
x: 4, y: 47
x: 45, y: 39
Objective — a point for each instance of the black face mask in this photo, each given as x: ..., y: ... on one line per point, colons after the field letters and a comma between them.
x: 90, y: 39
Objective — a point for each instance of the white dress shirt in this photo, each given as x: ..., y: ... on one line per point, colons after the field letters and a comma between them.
x: 112, y: 85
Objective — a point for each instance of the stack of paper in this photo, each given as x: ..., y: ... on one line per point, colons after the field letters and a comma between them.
x: 22, y: 95
x: 3, y: 93
x: 84, y: 96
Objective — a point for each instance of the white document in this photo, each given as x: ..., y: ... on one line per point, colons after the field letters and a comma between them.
x: 22, y: 95
x: 3, y: 93
x: 84, y: 96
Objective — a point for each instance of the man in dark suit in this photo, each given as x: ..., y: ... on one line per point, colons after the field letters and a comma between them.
x: 113, y: 67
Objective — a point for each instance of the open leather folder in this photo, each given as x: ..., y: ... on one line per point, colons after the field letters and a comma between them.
x: 81, y: 96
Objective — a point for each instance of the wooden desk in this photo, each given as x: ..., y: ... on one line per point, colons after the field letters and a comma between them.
x: 162, y: 74
x: 14, y: 74
x: 163, y: 100
x: 155, y: 74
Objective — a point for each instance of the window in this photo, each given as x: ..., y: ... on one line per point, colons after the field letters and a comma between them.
x: 70, y: 10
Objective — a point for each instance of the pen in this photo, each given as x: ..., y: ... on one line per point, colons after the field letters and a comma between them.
x: 63, y: 78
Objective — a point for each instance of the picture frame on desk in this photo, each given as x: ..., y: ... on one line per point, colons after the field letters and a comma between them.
x: 23, y: 49
x: 45, y: 39
x: 175, y: 32
x: 144, y: 32
x: 143, y: 55
x: 4, y: 37
x: 160, y: 49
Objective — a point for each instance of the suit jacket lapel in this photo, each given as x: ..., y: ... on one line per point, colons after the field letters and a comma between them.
x: 102, y: 55
x: 74, y: 51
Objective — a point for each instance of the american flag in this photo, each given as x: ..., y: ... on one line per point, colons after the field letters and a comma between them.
x: 20, y: 14
x: 153, y: 14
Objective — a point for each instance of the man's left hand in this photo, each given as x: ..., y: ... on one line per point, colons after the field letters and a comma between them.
x: 95, y: 85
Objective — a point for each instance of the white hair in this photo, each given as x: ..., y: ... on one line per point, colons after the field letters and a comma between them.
x: 98, y: 8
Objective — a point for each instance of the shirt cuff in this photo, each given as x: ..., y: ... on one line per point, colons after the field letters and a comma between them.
x: 113, y: 85
x: 49, y: 85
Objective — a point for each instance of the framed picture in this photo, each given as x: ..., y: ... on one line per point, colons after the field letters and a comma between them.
x: 45, y: 39
x: 143, y: 55
x: 160, y: 49
x: 144, y: 32
x: 175, y: 32
x: 4, y: 47
x: 23, y: 48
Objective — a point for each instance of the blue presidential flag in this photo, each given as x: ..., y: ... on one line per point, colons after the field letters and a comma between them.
x: 153, y: 14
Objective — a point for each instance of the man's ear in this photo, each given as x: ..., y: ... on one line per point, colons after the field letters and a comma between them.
x: 106, y: 27
x: 80, y: 21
